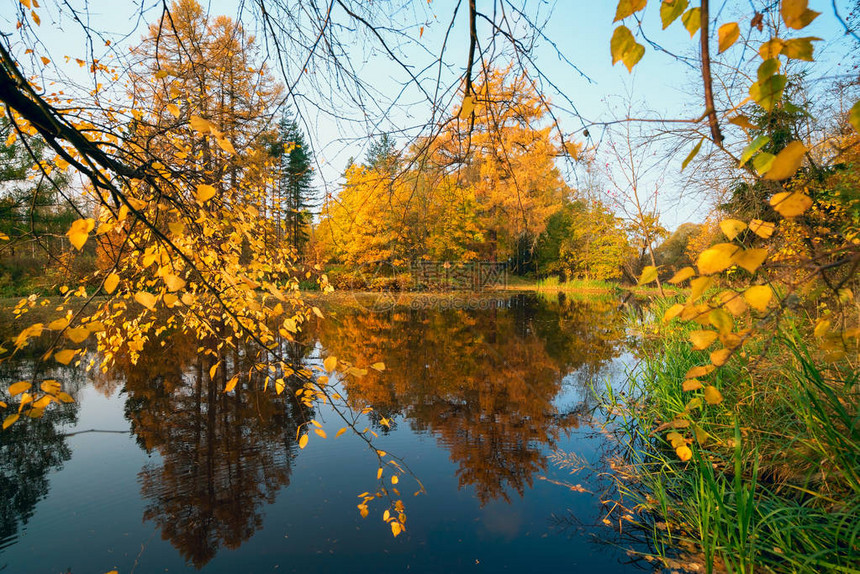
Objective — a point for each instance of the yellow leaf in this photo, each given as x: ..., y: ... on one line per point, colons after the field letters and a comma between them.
x: 10, y: 420
x: 378, y: 366
x: 65, y: 356
x: 721, y: 320
x: 822, y: 327
x: 173, y: 109
x: 758, y: 296
x: 720, y: 356
x: 58, y: 324
x: 379, y: 473
x: 691, y: 385
x: 173, y: 282
x: 395, y: 528
x: 696, y: 372
x: 303, y: 442
x: 732, y: 227
x: 26, y: 3
x: 692, y: 20
x: 467, y: 108
x: 796, y: 15
x: 330, y: 363
x: 205, y: 192
x: 761, y: 228
x: 225, y: 144
x: 161, y: 74
x: 394, y: 479
x: 628, y: 7
x: 200, y: 125
x: 712, y: 395
x: 624, y: 47
x: 320, y: 432
x: 750, y: 259
x: 771, y: 49
x: 317, y: 312
x: 684, y: 453
x: 340, y: 432
x: 65, y: 397
x: 698, y: 286
x: 716, y: 259
x: 672, y: 312
x: 733, y: 302
x: 800, y: 48
x: 649, y: 274
x: 670, y: 10
x: 214, y: 369
x: 146, y: 299
x: 78, y: 334
x: 111, y: 283
x: 787, y: 162
x: 743, y: 122
x: 728, y: 34
x: 854, y: 116
x: 231, y: 384
x: 36, y: 18
x: 45, y: 60
x: 80, y: 231
x: 702, y: 339
x: 19, y: 387
x: 682, y: 275
x: 790, y: 203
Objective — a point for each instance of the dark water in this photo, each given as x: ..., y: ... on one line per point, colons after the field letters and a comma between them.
x: 479, y: 396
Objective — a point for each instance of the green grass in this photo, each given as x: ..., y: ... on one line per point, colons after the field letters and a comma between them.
x: 775, y: 487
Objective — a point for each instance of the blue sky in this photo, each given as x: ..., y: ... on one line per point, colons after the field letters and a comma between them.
x: 581, y: 31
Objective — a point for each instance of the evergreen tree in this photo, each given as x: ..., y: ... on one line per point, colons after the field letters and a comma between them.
x: 295, y: 184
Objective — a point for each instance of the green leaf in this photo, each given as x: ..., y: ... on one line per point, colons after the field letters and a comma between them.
x: 768, y: 92
x: 692, y: 154
x: 800, y: 48
x: 762, y: 162
x: 751, y: 149
x: 692, y: 20
x: 768, y: 68
x: 670, y: 10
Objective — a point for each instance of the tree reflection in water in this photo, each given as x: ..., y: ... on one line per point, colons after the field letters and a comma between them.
x: 223, y: 456
x: 483, y: 381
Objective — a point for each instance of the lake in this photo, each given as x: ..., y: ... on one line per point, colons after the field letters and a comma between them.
x: 155, y: 469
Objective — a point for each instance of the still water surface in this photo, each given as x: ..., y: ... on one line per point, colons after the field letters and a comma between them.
x: 188, y: 478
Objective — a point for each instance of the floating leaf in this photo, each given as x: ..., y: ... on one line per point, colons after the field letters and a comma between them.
x: 712, y: 395
x: 205, y: 192
x: 732, y: 227
x: 787, y: 162
x: 649, y: 274
x: 670, y: 10
x: 65, y: 356
x: 790, y: 204
x: 728, y: 34
x: 717, y: 258
x: 761, y: 228
x: 80, y: 231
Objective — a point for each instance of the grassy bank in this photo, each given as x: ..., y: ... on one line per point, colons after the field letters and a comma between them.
x: 773, y: 484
